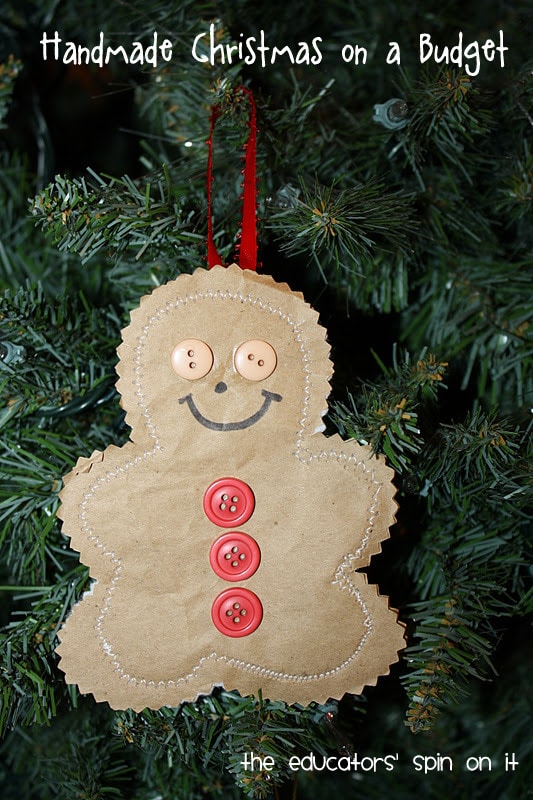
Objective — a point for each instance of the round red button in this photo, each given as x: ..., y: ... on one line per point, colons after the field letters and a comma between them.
x: 237, y: 612
x: 229, y: 502
x: 235, y: 556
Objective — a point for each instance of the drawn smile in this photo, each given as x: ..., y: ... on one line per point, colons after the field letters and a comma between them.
x: 269, y: 397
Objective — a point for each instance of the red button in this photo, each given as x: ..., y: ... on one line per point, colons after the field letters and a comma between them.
x: 235, y: 556
x: 229, y: 502
x: 237, y: 612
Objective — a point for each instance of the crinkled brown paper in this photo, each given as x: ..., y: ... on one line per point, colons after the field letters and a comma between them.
x: 143, y: 635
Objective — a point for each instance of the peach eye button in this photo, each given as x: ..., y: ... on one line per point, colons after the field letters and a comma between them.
x: 191, y: 359
x: 255, y: 360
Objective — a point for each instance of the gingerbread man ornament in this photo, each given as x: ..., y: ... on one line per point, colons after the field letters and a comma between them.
x: 225, y: 539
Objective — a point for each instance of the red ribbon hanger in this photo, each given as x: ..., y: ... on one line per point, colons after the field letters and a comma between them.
x: 247, y: 246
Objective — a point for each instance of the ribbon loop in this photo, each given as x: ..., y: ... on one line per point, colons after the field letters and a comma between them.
x: 247, y: 247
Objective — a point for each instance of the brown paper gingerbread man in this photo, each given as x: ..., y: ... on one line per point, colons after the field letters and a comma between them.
x: 225, y: 538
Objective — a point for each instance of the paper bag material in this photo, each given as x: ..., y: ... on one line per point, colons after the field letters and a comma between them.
x: 145, y: 635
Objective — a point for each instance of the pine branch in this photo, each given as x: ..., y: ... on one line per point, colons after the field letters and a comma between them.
x: 9, y: 72
x: 31, y: 689
x: 57, y: 400
x: 471, y: 558
x: 516, y: 200
x: 117, y: 215
x: 94, y: 764
x: 387, y: 413
x: 217, y: 731
x: 52, y: 351
x: 445, y: 117
x: 345, y: 226
x: 478, y: 310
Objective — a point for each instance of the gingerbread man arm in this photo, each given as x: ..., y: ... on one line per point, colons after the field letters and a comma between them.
x: 373, y: 478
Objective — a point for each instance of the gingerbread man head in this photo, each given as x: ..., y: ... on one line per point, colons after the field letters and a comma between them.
x: 226, y: 538
x: 240, y: 361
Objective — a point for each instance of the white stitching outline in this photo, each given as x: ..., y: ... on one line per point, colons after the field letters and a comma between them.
x: 303, y: 454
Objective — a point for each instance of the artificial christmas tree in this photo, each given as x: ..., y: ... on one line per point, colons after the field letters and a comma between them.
x: 396, y: 196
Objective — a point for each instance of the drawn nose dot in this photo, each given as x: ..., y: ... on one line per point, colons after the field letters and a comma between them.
x: 221, y: 387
